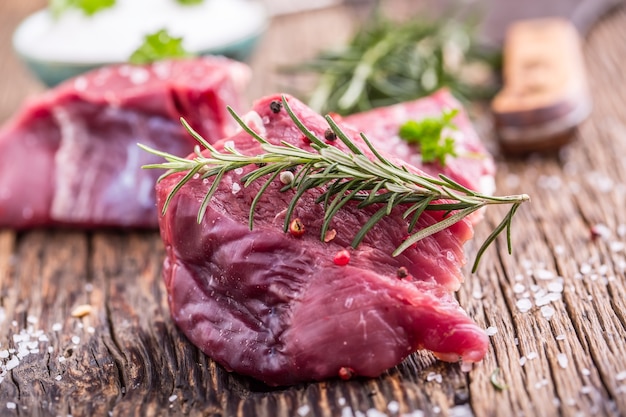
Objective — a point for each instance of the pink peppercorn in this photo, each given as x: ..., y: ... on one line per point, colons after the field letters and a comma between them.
x: 342, y: 257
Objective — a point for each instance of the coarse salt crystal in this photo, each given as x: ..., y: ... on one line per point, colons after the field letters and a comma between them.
x: 58, y: 377
x: 561, y: 358
x: 341, y: 401
x: 236, y: 188
x: 585, y: 268
x: 75, y: 340
x: 12, y: 363
x: 542, y: 300
x: 560, y: 337
x: 393, y: 406
x: 547, y: 312
x: 586, y: 389
x: 372, y: 412
x: 554, y: 296
x: 555, y: 286
x: 414, y: 413
x: 522, y: 361
x: 462, y: 410
x: 303, y: 410
x: 544, y: 274
x: 433, y: 376
x: 524, y: 304
x: 621, y: 376
x: 57, y: 327
x: 491, y: 330
x: 519, y: 288
x: 617, y: 246
x: 4, y: 354
x: 532, y: 355
x: 601, y: 230
x: 172, y: 398
x: 11, y: 405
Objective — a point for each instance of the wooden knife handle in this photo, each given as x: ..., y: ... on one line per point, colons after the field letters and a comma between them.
x: 545, y: 94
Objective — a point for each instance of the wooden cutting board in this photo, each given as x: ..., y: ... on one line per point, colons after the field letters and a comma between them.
x: 565, y: 358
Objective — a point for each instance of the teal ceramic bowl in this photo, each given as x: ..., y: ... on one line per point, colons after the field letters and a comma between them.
x: 51, y: 70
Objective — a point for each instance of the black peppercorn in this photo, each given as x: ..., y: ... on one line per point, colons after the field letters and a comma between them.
x: 275, y: 106
x: 329, y: 135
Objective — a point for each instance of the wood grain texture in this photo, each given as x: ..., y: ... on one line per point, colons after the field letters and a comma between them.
x: 564, y: 356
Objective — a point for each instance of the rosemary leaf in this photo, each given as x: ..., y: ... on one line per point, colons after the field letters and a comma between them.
x: 209, y: 194
x: 257, y: 197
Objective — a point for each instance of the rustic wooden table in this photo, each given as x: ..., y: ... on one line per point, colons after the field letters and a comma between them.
x: 557, y: 307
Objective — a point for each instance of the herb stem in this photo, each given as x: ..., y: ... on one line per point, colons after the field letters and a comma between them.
x: 343, y: 176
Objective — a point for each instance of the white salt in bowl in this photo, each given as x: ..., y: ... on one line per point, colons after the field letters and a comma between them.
x: 58, y: 49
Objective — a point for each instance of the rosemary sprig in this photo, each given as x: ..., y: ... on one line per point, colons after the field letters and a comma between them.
x: 389, y: 61
x: 343, y: 176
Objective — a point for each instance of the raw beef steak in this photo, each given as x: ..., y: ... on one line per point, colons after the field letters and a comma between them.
x: 473, y: 167
x: 278, y: 307
x: 70, y: 156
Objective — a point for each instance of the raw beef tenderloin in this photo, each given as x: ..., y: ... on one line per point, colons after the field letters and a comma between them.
x: 70, y: 156
x: 277, y: 307
x: 473, y: 166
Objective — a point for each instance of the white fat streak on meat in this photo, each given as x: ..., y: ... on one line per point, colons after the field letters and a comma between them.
x: 78, y: 173
x: 67, y: 202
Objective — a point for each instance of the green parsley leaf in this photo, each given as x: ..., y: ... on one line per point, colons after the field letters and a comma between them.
x: 427, y: 133
x: 189, y: 2
x: 158, y: 46
x: 88, y: 7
